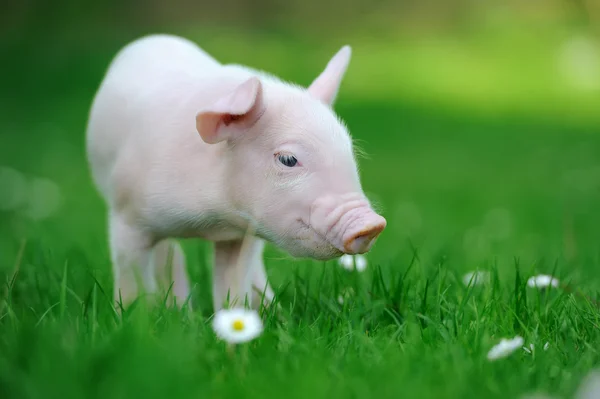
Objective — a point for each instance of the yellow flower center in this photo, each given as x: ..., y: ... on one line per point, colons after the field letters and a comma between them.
x: 238, y: 325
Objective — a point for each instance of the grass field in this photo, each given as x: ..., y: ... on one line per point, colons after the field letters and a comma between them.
x: 463, y: 188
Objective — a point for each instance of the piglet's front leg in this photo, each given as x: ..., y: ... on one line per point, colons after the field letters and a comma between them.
x: 239, y: 274
x: 131, y: 251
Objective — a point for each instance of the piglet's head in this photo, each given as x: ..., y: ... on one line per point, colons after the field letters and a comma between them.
x: 288, y: 163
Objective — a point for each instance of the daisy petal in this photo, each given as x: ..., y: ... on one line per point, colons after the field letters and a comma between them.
x: 505, y: 348
x: 542, y: 281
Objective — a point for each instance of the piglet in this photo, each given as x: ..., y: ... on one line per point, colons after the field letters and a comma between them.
x: 182, y: 146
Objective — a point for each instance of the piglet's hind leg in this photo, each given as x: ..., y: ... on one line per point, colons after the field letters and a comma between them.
x: 169, y: 263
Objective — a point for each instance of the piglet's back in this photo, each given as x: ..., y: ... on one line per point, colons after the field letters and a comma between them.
x: 142, y: 86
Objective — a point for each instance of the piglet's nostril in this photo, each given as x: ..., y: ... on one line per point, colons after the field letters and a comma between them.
x: 362, y: 241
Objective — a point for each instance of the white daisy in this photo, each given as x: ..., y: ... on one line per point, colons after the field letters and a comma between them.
x: 542, y: 281
x: 346, y: 261
x: 476, y: 278
x: 505, y: 348
x: 360, y: 262
x: 237, y: 325
x: 353, y: 262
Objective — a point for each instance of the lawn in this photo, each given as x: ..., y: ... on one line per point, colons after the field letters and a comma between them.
x: 510, y: 186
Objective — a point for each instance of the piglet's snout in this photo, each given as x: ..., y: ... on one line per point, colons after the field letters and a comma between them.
x: 361, y: 234
x: 348, y: 222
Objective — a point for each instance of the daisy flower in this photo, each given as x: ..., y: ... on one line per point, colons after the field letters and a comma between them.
x: 360, y: 262
x: 477, y: 278
x: 505, y: 348
x: 352, y: 262
x: 346, y: 261
x: 237, y: 325
x: 542, y: 281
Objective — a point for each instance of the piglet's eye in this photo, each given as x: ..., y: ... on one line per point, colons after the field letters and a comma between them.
x: 288, y: 160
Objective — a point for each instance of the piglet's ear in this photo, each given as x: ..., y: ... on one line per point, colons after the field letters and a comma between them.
x: 325, y: 87
x: 231, y: 113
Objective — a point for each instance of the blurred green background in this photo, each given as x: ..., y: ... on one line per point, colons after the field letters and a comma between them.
x: 480, y: 122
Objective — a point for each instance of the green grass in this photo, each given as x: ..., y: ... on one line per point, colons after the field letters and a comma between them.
x: 513, y: 194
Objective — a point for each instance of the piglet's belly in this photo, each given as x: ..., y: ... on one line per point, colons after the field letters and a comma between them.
x: 207, y: 226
